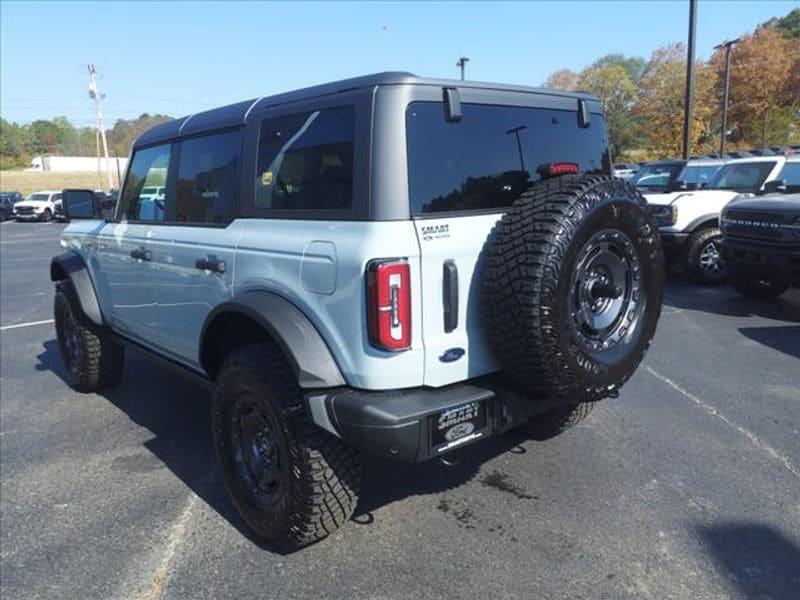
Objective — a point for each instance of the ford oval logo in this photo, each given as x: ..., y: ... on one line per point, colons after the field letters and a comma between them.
x: 451, y: 355
x: 458, y: 431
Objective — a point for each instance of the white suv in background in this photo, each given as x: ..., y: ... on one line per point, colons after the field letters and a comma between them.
x: 39, y: 206
x: 689, y: 219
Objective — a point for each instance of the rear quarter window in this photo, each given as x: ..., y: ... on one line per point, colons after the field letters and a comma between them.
x: 489, y: 157
x: 305, y: 161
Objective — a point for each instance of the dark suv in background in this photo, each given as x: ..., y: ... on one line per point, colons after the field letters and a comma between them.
x: 761, y: 243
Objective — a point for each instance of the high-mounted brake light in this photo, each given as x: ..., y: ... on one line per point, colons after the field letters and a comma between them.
x: 563, y: 168
x: 389, y: 304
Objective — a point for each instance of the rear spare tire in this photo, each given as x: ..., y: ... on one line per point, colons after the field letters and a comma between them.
x: 573, y: 285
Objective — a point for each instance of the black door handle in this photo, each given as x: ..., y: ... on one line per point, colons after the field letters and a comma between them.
x: 450, y: 295
x: 211, y: 263
x: 142, y: 253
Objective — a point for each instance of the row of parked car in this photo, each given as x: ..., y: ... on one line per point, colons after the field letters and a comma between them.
x: 725, y: 218
x: 44, y: 205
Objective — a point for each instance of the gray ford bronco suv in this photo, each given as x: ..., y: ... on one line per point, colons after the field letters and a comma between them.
x: 388, y: 265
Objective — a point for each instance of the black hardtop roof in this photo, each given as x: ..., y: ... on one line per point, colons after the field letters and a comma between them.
x: 235, y: 114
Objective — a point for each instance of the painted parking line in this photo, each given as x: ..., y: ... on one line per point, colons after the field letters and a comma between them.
x: 30, y: 324
x: 711, y: 410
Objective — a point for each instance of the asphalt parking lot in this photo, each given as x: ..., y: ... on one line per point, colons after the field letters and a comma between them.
x: 686, y: 486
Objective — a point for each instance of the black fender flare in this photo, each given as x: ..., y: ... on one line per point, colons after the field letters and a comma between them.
x: 703, y: 221
x: 70, y: 265
x: 306, y: 350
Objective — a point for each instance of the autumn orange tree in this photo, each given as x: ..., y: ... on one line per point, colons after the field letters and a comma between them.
x: 764, y: 87
x: 660, y: 103
x: 644, y: 100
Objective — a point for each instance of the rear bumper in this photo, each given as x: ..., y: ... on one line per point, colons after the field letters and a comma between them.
x: 765, y: 260
x: 401, y: 424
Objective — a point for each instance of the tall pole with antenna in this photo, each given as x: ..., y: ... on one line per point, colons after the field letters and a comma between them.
x: 724, y: 129
x: 462, y: 62
x: 687, y: 102
x: 97, y: 97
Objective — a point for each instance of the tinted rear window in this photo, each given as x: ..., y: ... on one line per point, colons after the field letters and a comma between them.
x: 486, y: 160
x: 305, y: 161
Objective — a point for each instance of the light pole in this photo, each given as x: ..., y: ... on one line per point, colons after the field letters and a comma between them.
x: 516, y: 131
x: 727, y: 45
x: 462, y: 62
x: 687, y: 102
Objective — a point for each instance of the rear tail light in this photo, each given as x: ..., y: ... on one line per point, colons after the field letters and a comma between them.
x: 389, y: 304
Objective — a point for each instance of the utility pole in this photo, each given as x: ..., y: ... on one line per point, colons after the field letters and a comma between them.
x: 687, y: 104
x: 727, y: 45
x: 462, y: 62
x: 94, y: 94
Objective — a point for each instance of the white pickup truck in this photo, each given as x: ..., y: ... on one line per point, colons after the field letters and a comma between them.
x: 688, y: 217
x: 39, y: 206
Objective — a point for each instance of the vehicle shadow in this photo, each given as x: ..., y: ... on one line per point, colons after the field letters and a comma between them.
x: 178, y: 414
x: 681, y: 293
x: 784, y: 339
x: 760, y: 560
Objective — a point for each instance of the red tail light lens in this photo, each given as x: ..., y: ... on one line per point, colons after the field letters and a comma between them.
x: 563, y: 168
x: 389, y: 304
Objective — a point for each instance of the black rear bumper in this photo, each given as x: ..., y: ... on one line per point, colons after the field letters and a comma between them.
x: 400, y: 424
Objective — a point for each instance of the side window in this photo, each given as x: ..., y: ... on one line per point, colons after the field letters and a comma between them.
x: 790, y: 174
x: 305, y: 161
x: 145, y: 187
x: 488, y: 158
x: 207, y: 178
x: 56, y: 197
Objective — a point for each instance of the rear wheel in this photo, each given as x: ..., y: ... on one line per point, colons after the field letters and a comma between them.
x: 703, y: 257
x: 573, y: 287
x: 292, y: 482
x: 760, y: 289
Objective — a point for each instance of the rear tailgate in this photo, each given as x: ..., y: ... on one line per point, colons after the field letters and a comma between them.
x: 451, y: 250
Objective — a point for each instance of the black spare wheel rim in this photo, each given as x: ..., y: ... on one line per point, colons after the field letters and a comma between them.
x: 605, y: 292
x: 256, y: 450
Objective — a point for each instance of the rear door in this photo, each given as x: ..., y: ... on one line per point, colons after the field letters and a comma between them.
x: 195, y: 246
x: 462, y: 177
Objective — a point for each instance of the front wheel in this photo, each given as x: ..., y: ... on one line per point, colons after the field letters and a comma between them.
x: 703, y: 257
x: 47, y: 215
x: 92, y: 359
x: 291, y: 482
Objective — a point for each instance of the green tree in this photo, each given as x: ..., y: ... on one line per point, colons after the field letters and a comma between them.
x: 124, y: 132
x: 613, y: 84
x: 633, y: 65
x: 790, y: 24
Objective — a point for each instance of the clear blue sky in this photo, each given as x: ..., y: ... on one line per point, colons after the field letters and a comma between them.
x: 184, y: 57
